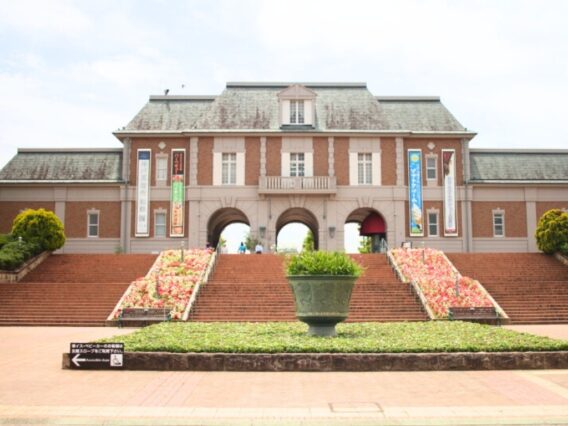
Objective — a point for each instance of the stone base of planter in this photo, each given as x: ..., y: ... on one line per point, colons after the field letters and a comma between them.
x: 18, y: 274
x: 165, y: 361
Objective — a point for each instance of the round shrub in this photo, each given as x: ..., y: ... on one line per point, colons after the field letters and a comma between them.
x: 552, y: 231
x: 40, y: 226
x: 5, y: 239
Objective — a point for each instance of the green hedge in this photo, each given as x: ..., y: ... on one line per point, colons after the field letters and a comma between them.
x: 13, y: 254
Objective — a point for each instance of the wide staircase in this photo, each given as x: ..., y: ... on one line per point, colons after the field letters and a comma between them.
x: 254, y: 288
x: 71, y: 289
x: 532, y: 288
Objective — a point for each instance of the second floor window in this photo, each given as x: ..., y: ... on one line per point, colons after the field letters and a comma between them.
x: 297, y: 164
x: 161, y: 169
x: 229, y: 169
x: 297, y: 112
x: 431, y: 168
x: 498, y: 224
x: 364, y: 169
x: 93, y: 224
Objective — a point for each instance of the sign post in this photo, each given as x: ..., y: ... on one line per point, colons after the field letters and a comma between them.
x: 97, y: 355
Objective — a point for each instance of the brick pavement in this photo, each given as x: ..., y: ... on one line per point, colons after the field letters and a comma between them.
x: 34, y: 389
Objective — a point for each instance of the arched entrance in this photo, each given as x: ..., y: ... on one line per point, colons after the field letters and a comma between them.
x: 220, y: 220
x: 299, y: 215
x: 372, y: 225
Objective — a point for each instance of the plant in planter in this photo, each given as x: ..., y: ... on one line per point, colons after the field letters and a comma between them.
x: 322, y: 283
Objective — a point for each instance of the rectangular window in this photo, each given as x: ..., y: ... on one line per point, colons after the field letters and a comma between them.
x: 297, y: 115
x: 160, y: 224
x: 297, y: 164
x: 433, y: 224
x: 161, y: 169
x: 364, y: 169
x: 431, y: 168
x: 93, y: 224
x: 229, y: 169
x: 498, y: 224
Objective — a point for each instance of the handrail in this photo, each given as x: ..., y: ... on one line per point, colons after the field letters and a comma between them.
x: 414, y: 285
x: 203, y: 279
x: 129, y: 289
x: 496, y: 305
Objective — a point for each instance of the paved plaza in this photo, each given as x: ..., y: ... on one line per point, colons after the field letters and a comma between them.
x: 35, y: 390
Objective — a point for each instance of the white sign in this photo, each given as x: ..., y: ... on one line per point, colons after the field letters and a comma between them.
x: 449, y: 169
x: 142, y: 193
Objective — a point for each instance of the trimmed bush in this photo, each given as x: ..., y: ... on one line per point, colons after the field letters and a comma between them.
x: 323, y: 263
x: 552, y: 231
x: 5, y: 239
x: 40, y: 226
x: 14, y: 254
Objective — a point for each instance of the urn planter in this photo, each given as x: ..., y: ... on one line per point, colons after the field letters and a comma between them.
x: 322, y: 301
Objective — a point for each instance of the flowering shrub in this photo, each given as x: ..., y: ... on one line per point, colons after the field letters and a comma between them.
x: 433, y: 272
x: 169, y: 283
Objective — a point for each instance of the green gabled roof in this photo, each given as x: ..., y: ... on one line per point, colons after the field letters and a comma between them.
x: 494, y: 166
x: 43, y: 165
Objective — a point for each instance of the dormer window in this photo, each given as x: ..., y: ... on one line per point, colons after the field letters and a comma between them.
x: 296, y: 112
x: 297, y: 105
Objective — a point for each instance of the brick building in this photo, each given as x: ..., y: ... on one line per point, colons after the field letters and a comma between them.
x: 268, y: 154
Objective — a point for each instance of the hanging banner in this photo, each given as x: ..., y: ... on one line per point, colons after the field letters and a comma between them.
x: 416, y: 220
x: 178, y: 193
x: 143, y: 192
x: 449, y: 168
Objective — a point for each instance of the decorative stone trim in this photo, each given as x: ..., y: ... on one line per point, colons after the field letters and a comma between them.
x: 165, y: 361
x: 561, y: 258
x: 18, y: 274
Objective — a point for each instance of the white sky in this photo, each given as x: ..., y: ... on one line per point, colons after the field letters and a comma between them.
x: 71, y: 72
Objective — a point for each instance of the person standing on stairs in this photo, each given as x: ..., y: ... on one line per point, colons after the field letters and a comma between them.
x: 242, y: 248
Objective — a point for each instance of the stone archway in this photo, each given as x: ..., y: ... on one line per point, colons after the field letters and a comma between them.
x: 372, y: 224
x: 299, y: 215
x: 220, y: 219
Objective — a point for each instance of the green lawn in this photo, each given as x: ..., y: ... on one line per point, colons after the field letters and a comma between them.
x: 434, y: 336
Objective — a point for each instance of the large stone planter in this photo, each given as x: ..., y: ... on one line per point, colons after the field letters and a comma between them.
x: 322, y: 301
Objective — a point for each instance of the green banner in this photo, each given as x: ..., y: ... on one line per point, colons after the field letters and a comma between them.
x: 178, y: 193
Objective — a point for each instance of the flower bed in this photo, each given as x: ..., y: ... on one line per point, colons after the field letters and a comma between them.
x: 436, y: 277
x: 169, y: 283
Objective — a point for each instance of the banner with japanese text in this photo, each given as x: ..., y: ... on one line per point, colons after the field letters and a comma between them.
x: 178, y: 193
x: 449, y: 169
x: 416, y: 220
x: 143, y: 193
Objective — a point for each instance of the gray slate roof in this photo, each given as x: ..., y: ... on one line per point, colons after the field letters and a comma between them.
x: 254, y: 106
x: 58, y: 165
x: 519, y: 166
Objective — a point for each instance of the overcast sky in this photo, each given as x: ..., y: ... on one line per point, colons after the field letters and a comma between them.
x: 71, y: 72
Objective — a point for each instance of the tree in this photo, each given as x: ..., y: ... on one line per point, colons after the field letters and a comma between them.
x: 552, y: 231
x: 308, y: 244
x: 40, y: 226
x: 365, y: 245
x: 251, y: 242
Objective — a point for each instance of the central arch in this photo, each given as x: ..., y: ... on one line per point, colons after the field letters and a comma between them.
x: 299, y: 215
x: 222, y: 218
x: 371, y: 224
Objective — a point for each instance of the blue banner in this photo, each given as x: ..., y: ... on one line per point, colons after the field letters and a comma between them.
x: 416, y: 216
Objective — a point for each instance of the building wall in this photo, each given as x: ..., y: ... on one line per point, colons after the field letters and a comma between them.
x: 341, y: 160
x: 10, y: 209
x: 205, y: 161
x: 76, y: 218
x: 252, y: 160
x: 515, y: 218
x: 438, y: 146
x: 388, y: 161
x: 152, y: 143
x: 543, y: 206
x: 273, y: 156
x: 321, y: 165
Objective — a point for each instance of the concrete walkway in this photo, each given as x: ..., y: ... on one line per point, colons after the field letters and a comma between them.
x: 35, y: 390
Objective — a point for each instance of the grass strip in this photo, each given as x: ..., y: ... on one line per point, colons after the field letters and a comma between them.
x: 291, y: 337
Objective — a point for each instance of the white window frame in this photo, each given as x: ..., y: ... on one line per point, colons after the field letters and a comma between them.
x: 495, y: 214
x: 228, y: 168
x: 364, y: 168
x: 165, y: 214
x: 436, y: 213
x: 161, y: 173
x: 96, y: 213
x: 434, y: 169
x: 297, y: 164
x: 297, y: 111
